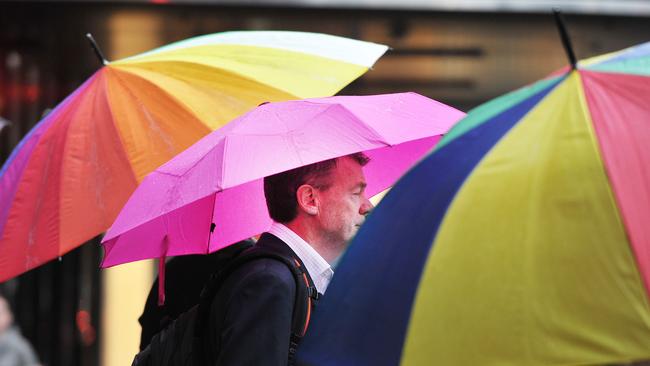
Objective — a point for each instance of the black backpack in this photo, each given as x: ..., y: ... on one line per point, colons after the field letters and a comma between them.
x: 181, y: 342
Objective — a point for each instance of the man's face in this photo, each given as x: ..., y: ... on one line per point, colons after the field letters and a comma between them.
x: 5, y: 315
x: 343, y: 206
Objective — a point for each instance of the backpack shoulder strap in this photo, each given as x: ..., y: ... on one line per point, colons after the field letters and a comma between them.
x: 306, y: 293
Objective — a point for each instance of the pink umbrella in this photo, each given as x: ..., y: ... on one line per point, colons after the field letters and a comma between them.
x: 211, y: 195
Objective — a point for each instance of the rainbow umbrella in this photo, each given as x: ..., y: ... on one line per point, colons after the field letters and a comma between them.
x: 523, y: 239
x: 69, y: 177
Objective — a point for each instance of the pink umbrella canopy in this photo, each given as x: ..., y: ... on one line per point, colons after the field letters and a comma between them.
x: 211, y: 195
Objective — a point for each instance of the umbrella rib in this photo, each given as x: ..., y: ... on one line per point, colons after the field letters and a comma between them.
x: 366, y: 126
x: 195, y: 163
x: 223, y: 162
x: 379, y: 137
x: 212, y: 226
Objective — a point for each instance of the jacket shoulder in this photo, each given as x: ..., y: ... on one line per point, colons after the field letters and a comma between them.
x: 263, y: 270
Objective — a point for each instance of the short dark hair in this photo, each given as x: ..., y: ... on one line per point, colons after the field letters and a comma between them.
x: 280, y: 189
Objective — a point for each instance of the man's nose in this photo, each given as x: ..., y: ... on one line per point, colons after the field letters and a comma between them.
x: 366, y: 206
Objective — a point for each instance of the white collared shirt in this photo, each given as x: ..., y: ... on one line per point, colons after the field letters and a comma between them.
x: 319, y: 270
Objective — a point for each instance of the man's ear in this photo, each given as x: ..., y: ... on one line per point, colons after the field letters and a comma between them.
x: 307, y: 199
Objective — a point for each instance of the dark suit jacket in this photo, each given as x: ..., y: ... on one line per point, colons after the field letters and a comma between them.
x: 250, y: 317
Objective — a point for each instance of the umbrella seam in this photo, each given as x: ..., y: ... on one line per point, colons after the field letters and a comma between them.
x: 613, y: 190
x: 364, y: 125
x: 135, y: 65
x: 223, y: 163
x: 121, y: 136
x: 312, y: 120
x: 158, y: 171
x: 182, y: 104
x: 376, y: 134
x: 615, y: 73
x: 161, y: 216
x: 117, y: 132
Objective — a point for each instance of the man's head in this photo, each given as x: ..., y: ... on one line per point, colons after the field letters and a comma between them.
x: 6, y: 317
x: 326, y: 201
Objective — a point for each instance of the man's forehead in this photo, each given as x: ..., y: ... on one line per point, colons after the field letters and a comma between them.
x: 347, y: 163
x: 348, y: 160
x: 350, y: 170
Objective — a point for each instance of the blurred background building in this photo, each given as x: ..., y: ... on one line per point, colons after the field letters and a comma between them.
x: 459, y: 52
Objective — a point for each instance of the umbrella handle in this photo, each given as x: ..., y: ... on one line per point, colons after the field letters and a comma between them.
x: 161, y: 281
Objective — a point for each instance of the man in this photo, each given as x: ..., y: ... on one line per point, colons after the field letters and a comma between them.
x: 14, y: 349
x: 317, y: 209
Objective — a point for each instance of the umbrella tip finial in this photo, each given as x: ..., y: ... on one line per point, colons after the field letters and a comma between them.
x: 564, y: 35
x: 98, y: 51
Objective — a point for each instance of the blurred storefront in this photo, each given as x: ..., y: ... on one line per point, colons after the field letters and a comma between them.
x: 75, y: 314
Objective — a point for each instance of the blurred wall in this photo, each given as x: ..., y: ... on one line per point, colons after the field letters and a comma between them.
x: 125, y: 287
x: 75, y: 314
x: 43, y: 57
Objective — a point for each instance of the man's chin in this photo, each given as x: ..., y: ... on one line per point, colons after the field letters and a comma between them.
x: 354, y: 232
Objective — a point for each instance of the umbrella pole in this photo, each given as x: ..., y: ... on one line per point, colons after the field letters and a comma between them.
x: 98, y: 51
x: 566, y: 41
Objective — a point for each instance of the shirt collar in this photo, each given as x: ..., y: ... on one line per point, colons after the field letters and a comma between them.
x: 319, y: 270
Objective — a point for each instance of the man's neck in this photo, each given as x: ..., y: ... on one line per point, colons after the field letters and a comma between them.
x: 309, y: 235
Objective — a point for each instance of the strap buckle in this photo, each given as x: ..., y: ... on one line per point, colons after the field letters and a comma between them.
x: 313, y: 293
